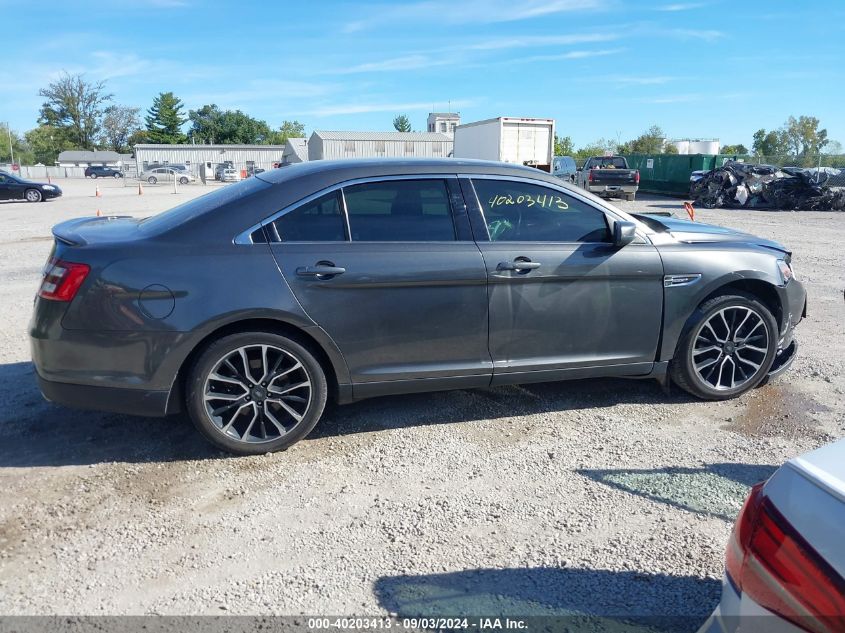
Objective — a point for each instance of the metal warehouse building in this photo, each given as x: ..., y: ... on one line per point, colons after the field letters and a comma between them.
x: 240, y: 156
x: 325, y: 145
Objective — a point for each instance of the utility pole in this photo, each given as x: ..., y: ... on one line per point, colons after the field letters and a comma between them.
x: 11, y: 149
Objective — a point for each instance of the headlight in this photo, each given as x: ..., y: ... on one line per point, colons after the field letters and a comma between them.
x: 48, y: 187
x: 786, y: 271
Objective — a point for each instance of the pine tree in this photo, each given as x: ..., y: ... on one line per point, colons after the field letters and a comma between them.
x: 164, y: 120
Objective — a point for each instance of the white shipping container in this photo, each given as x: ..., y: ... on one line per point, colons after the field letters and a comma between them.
x: 522, y: 141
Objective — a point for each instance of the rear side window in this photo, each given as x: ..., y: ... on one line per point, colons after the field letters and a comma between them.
x: 524, y: 212
x: 320, y: 220
x: 400, y: 211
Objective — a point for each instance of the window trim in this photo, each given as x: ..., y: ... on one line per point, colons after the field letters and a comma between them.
x: 244, y: 238
x: 640, y: 239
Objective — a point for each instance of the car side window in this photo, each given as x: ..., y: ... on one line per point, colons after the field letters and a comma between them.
x: 400, y: 211
x: 320, y: 220
x: 3, y: 179
x: 523, y: 212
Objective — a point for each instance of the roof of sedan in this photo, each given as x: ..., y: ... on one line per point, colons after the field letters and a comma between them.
x: 368, y: 167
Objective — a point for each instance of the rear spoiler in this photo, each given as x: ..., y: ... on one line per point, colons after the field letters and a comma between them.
x: 68, y: 231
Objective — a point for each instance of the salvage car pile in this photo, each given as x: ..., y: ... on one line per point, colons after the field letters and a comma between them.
x: 736, y: 185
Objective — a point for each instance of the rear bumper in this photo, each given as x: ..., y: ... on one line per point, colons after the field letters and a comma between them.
x: 142, y: 402
x: 738, y: 613
x: 612, y: 190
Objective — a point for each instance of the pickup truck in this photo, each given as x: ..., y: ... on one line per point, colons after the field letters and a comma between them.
x: 609, y: 177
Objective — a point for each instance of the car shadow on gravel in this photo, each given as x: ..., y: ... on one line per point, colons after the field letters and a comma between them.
x: 451, y: 407
x: 560, y: 598
x: 716, y: 490
x: 34, y: 432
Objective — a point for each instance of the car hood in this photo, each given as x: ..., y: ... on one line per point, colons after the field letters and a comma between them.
x: 697, y: 232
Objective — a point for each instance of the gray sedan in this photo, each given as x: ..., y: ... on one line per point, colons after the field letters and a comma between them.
x: 166, y: 174
x: 252, y: 306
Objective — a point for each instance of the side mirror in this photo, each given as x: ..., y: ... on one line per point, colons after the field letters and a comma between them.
x: 623, y: 233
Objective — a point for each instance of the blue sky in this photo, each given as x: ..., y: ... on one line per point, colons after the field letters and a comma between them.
x: 601, y: 68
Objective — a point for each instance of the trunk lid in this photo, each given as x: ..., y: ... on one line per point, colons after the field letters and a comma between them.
x: 106, y: 229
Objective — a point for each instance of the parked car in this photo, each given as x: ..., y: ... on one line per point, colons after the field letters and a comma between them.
x: 230, y: 175
x: 166, y: 174
x: 101, y: 171
x: 564, y: 167
x: 785, y: 564
x: 609, y: 177
x: 250, y: 306
x: 17, y: 188
x: 218, y: 171
x: 251, y: 171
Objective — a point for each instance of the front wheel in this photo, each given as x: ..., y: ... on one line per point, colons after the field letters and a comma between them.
x: 256, y: 392
x: 118, y: 175
x: 727, y: 349
x: 33, y: 195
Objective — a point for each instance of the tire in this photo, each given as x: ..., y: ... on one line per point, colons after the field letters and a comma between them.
x: 250, y: 429
x: 630, y: 197
x: 118, y: 176
x: 183, y: 181
x: 33, y: 195
x: 152, y: 180
x: 708, y: 377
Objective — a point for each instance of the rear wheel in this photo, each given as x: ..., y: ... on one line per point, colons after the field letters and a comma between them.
x: 94, y: 176
x: 728, y: 348
x: 630, y: 197
x: 256, y: 392
x: 183, y: 181
x: 33, y: 195
x: 152, y: 180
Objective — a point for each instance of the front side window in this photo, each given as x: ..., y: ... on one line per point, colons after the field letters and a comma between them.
x: 400, y: 211
x: 320, y: 220
x: 524, y: 212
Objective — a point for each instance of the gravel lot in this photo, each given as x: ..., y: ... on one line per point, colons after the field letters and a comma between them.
x: 601, y: 497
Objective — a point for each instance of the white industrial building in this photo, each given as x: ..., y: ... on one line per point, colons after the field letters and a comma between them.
x: 443, y: 122
x: 331, y: 145
x: 296, y: 151
x: 192, y: 156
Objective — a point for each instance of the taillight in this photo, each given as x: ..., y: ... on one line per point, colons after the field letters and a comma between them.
x: 591, y: 177
x: 62, y: 280
x: 772, y: 563
x: 637, y: 177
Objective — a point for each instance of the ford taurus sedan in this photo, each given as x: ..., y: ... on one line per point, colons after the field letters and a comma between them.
x: 253, y: 305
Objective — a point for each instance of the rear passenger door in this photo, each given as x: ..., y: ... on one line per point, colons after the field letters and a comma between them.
x: 389, y: 270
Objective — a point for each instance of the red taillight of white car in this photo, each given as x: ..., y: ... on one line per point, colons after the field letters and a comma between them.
x: 62, y: 280
x: 768, y: 560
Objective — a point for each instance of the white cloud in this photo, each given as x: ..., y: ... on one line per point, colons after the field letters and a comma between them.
x: 566, y: 56
x: 406, y: 62
x: 362, y: 108
x: 681, y: 6
x: 540, y: 40
x: 468, y: 11
x: 707, y: 35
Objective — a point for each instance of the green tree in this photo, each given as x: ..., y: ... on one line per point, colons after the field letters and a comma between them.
x: 651, y: 141
x: 739, y: 148
x: 564, y: 146
x: 22, y: 153
x: 803, y: 137
x: 213, y: 125
x: 76, y: 105
x: 771, y: 143
x: 138, y: 137
x: 402, y: 123
x: 47, y: 141
x: 119, y: 123
x: 288, y: 129
x: 596, y: 148
x: 165, y: 119
x: 206, y: 124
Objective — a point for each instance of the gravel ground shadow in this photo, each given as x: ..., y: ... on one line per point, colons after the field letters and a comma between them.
x: 716, y: 490
x: 34, y: 432
x: 572, y: 599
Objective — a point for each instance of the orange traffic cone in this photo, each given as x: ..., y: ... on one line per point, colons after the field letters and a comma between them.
x: 690, y: 210
x: 140, y: 190
x: 97, y: 193
x: 98, y: 213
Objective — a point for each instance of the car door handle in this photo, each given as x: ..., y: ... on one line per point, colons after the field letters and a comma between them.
x: 518, y: 265
x: 320, y: 271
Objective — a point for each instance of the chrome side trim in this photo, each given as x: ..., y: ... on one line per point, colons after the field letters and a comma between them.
x: 675, y: 281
